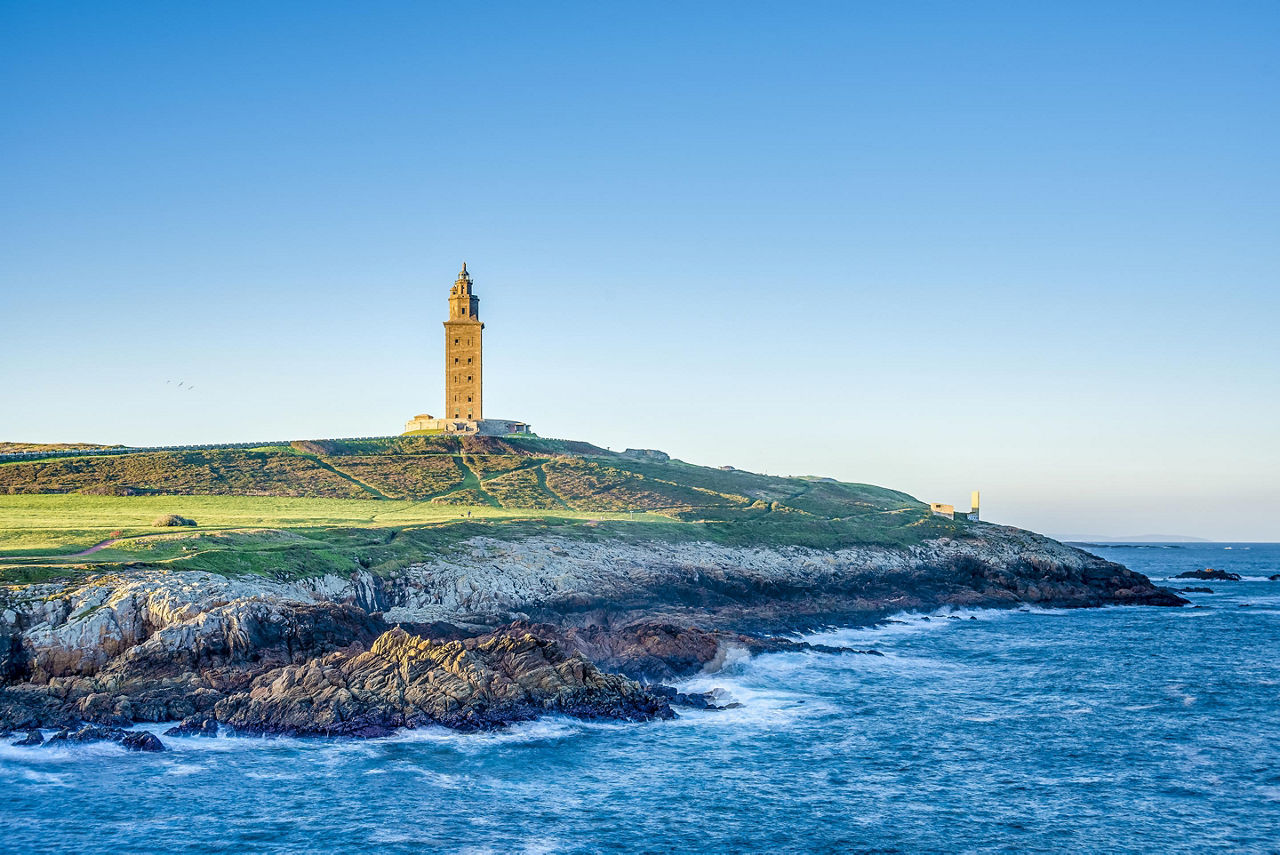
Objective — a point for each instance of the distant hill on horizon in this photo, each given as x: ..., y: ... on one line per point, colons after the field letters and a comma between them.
x: 1137, y: 538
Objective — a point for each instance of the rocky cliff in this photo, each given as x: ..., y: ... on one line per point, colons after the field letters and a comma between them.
x: 324, y: 655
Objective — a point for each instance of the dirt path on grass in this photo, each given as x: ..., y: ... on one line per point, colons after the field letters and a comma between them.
x: 92, y: 549
x: 61, y: 557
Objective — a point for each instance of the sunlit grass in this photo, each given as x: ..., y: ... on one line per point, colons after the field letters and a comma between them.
x: 339, y: 506
x: 47, y: 524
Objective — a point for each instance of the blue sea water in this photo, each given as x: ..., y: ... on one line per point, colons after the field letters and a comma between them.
x: 1104, y: 730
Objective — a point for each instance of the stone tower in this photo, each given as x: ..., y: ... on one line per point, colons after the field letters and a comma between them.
x: 463, y: 332
x: 463, y: 373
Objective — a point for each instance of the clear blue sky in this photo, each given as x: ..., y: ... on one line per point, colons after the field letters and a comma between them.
x: 1027, y: 247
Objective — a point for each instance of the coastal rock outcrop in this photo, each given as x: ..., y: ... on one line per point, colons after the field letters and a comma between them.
x: 195, y: 726
x: 1210, y: 574
x: 132, y: 740
x: 501, y: 630
x: 664, y: 651
x: 407, y: 681
x: 754, y: 590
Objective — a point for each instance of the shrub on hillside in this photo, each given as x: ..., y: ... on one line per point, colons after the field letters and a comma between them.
x: 172, y: 519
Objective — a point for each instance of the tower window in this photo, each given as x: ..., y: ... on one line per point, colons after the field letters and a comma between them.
x: 468, y: 399
x: 455, y: 341
x: 468, y: 378
x: 468, y: 360
x: 455, y: 360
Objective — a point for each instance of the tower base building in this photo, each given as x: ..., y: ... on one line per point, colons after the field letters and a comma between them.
x: 426, y: 423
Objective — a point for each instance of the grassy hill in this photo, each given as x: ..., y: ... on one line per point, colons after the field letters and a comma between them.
x: 333, y: 506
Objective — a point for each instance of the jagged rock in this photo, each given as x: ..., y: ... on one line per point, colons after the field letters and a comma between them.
x: 654, y: 651
x: 1210, y: 573
x: 694, y: 700
x: 663, y: 651
x: 78, y: 628
x: 87, y: 733
x: 133, y: 740
x: 142, y: 740
x: 13, y: 657
x: 407, y: 681
x: 33, y: 737
x: 103, y: 708
x: 31, y: 707
x: 1275, y: 577
x: 244, y: 631
x: 1195, y: 590
x: 194, y: 726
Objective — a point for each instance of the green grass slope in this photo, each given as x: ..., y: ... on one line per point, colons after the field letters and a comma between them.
x: 334, y: 506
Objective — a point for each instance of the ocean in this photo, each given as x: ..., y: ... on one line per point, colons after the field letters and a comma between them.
x: 1099, y: 730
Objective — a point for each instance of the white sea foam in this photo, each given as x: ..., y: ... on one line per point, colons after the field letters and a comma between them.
x: 58, y: 754
x: 914, y: 623
x: 48, y: 779
x: 183, y: 769
x: 396, y: 836
x: 530, y: 846
x: 440, y: 780
x: 550, y: 730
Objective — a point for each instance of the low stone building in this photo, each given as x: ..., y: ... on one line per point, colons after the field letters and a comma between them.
x: 425, y: 422
x: 949, y: 511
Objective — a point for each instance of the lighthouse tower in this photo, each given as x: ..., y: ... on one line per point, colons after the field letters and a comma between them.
x: 464, y: 372
x: 463, y: 353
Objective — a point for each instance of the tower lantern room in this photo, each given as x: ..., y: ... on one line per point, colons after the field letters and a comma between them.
x: 463, y: 304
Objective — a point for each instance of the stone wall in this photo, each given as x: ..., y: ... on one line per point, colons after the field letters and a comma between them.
x: 481, y: 427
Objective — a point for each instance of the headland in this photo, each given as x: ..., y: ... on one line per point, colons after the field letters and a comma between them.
x: 352, y: 587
